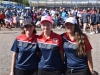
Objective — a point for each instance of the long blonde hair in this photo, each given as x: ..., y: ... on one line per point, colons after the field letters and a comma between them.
x: 80, y: 40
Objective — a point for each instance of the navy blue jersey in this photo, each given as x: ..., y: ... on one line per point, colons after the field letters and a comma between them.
x: 27, y: 52
x: 85, y: 17
x: 50, y: 49
x: 97, y: 18
x: 72, y: 60
x: 93, y: 18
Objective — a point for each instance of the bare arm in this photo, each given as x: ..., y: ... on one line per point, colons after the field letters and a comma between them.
x: 90, y: 63
x: 90, y: 21
x: 14, y: 56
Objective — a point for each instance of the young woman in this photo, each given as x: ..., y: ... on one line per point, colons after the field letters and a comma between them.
x: 93, y: 22
x: 77, y: 49
x: 97, y: 21
x: 50, y: 45
x: 85, y: 19
x: 25, y: 58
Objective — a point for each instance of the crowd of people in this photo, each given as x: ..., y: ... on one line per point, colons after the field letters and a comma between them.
x: 51, y: 53
x: 88, y: 18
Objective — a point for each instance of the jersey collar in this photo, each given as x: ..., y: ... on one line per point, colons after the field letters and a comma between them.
x: 67, y: 37
x: 29, y: 39
x: 51, y: 36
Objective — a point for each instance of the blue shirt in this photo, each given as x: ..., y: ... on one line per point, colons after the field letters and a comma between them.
x: 50, y: 50
x: 97, y: 18
x: 27, y: 52
x: 93, y: 18
x: 72, y: 60
x: 64, y: 15
x: 85, y: 17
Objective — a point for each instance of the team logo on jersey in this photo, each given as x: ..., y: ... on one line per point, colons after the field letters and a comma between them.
x: 55, y: 40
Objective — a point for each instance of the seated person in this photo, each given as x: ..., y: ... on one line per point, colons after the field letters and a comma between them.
x: 8, y: 22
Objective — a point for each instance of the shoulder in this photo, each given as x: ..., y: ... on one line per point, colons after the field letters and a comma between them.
x: 39, y: 37
x: 36, y: 36
x: 62, y: 34
x: 87, y: 43
x: 21, y: 37
x: 56, y: 35
x: 85, y: 37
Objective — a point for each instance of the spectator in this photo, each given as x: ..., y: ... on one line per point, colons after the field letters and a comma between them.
x: 8, y: 22
x: 97, y: 20
x: 92, y: 22
x: 2, y: 17
x: 85, y: 20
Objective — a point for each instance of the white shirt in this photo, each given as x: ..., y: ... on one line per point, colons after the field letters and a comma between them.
x: 8, y: 20
x: 53, y: 13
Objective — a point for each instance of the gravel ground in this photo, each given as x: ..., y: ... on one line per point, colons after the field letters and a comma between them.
x: 7, y: 38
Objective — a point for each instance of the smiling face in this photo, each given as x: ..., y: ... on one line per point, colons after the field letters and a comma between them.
x: 46, y: 26
x: 29, y: 29
x: 69, y: 27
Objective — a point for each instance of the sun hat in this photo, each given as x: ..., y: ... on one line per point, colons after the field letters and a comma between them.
x: 71, y: 20
x: 28, y: 22
x: 46, y: 18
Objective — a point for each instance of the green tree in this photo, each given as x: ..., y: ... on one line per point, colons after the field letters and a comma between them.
x: 25, y: 2
x: 0, y: 1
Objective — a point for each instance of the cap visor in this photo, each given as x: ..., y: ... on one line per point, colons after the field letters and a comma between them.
x: 45, y: 21
x: 27, y: 24
x: 68, y: 22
